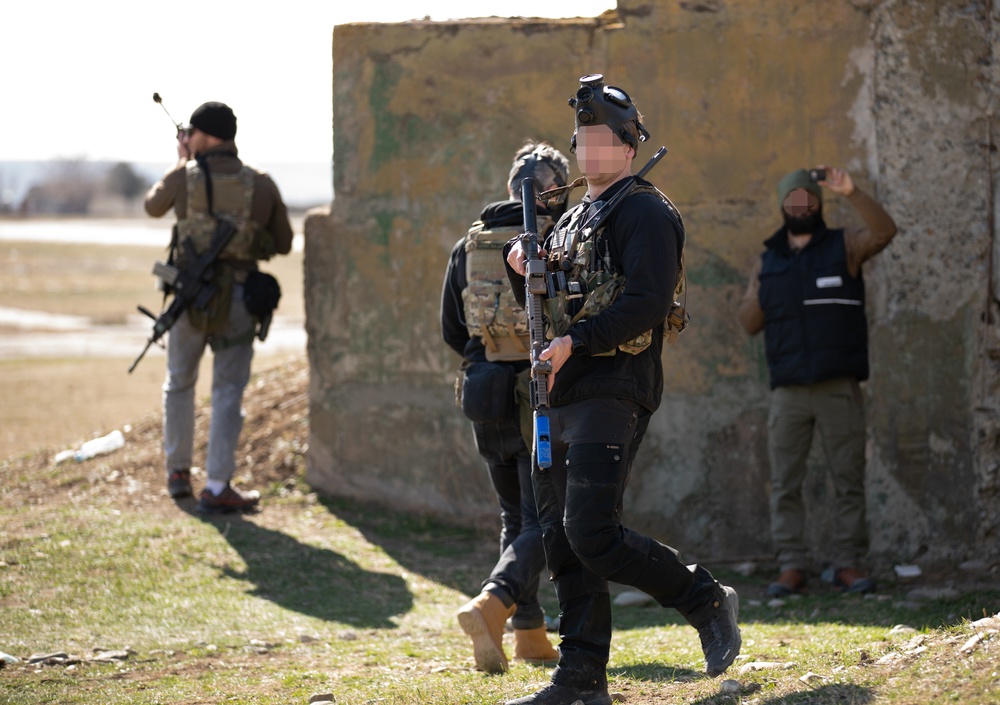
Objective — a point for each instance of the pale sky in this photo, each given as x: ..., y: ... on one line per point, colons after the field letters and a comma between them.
x: 78, y: 77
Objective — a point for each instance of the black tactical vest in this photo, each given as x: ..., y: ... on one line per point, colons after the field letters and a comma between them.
x: 815, y: 326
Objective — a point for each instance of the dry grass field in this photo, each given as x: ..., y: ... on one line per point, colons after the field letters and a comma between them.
x: 65, y: 380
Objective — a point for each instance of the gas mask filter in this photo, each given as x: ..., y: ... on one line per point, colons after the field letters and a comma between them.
x: 598, y: 104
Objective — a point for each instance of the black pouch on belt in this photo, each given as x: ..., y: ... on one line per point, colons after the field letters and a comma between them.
x: 261, y: 294
x: 487, y: 391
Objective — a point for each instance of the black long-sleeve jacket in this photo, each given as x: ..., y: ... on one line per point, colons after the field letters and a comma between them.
x: 644, y: 241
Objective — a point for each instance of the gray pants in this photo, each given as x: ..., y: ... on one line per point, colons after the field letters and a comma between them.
x: 836, y: 408
x: 230, y: 374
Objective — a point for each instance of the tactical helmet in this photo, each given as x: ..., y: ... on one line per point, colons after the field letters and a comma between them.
x: 542, y: 162
x: 597, y: 104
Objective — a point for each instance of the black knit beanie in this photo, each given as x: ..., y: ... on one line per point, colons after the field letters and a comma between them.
x: 216, y: 119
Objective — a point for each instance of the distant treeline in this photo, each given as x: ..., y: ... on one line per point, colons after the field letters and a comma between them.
x: 78, y: 187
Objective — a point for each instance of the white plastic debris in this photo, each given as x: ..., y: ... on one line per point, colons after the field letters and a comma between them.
x: 97, y: 446
x: 908, y: 571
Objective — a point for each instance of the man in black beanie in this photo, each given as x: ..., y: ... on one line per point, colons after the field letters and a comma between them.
x: 807, y: 294
x: 215, y: 119
x: 211, y: 184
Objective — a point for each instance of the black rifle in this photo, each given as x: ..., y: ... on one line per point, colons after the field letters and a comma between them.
x: 191, y: 286
x: 534, y: 290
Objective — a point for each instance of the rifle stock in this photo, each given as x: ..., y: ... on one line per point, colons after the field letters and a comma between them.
x: 191, y: 286
x: 534, y: 289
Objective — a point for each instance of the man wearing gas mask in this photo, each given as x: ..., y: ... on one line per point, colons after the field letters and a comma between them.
x: 807, y: 294
x: 481, y: 321
x: 614, y: 263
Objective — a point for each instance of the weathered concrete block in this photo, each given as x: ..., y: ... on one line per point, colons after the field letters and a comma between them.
x: 902, y: 93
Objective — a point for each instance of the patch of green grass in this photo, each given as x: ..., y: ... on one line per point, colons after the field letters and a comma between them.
x: 316, y: 595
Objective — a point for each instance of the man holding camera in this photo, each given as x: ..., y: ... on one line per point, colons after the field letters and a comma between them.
x: 807, y: 294
x: 210, y: 185
x: 614, y: 283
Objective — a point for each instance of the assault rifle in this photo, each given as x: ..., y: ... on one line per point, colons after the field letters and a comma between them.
x: 534, y: 290
x: 191, y: 286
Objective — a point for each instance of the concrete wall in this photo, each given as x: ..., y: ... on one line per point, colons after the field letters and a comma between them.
x: 426, y: 118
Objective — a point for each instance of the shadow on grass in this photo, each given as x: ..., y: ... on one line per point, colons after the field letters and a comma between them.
x: 837, y: 694
x: 829, y: 607
x: 454, y: 556
x: 655, y: 672
x: 313, y: 581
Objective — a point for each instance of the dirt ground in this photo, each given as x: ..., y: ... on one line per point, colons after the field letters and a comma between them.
x: 69, y: 330
x: 274, y: 437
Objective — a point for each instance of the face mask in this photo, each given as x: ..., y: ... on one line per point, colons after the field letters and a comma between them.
x: 803, y: 224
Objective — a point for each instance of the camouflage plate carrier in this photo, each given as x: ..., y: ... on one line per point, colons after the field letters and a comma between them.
x: 232, y: 199
x: 491, y: 312
x: 598, y: 287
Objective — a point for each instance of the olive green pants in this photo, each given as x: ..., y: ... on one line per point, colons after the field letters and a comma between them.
x: 836, y: 408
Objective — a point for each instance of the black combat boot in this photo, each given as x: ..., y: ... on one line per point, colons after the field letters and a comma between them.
x: 715, y: 621
x: 554, y: 694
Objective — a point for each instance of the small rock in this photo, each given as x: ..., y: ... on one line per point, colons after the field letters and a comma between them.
x: 926, y: 593
x: 754, y: 603
x: 974, y: 566
x: 110, y: 656
x: 307, y: 639
x: 617, y: 697
x: 746, y: 569
x: 812, y: 678
x: 970, y: 646
x: 7, y: 658
x: 54, y: 657
x: 776, y: 602
x: 987, y: 623
x: 633, y: 598
x: 763, y: 666
x: 321, y: 698
x: 901, y: 629
x: 908, y: 605
x: 907, y: 572
x: 729, y: 686
x: 890, y: 658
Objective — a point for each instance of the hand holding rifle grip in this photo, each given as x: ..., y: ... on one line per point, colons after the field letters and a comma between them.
x: 534, y: 289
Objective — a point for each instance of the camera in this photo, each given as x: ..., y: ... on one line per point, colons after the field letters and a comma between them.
x: 817, y: 175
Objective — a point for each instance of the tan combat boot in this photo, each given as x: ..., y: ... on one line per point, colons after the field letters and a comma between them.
x: 532, y: 645
x: 483, y: 618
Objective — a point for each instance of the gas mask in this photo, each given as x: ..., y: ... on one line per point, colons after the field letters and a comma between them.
x: 597, y: 104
